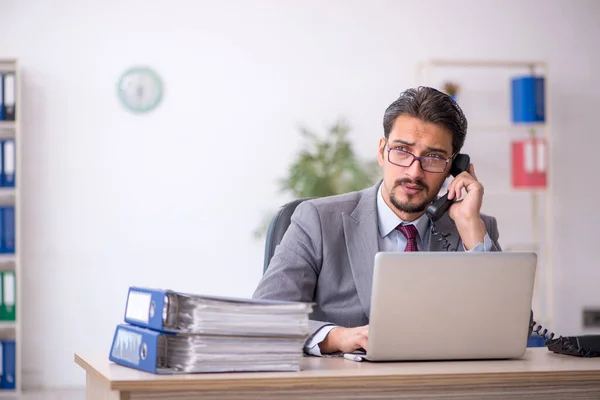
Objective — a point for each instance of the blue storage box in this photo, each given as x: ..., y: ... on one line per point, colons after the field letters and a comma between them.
x: 528, y: 101
x: 536, y: 341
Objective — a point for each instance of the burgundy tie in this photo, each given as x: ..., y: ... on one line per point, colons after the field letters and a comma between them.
x: 411, y: 235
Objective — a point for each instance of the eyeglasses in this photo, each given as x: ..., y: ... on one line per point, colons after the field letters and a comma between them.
x: 404, y: 158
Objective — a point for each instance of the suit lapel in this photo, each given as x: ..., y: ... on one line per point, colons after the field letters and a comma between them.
x: 445, y: 225
x: 361, y: 233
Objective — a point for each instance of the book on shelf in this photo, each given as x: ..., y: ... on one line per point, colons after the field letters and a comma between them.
x: 7, y: 229
x: 8, y: 364
x: 7, y: 175
x: 7, y: 96
x: 7, y: 296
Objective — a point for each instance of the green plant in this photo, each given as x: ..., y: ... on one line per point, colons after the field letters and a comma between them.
x: 325, y: 167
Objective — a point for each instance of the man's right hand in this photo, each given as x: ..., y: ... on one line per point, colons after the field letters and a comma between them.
x: 345, y: 340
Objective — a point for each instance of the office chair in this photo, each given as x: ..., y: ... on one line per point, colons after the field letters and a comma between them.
x: 277, y: 227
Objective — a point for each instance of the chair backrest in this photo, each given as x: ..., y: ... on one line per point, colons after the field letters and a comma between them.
x: 277, y: 227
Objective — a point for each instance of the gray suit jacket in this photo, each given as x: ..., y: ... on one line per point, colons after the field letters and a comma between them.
x: 327, y: 254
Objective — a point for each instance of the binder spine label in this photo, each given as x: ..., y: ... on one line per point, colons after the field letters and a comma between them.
x: 127, y: 346
x: 1, y: 96
x: 9, y: 89
x: 146, y: 308
x: 9, y: 289
x: 9, y: 96
x: 9, y: 157
x: 135, y: 347
x: 138, y: 306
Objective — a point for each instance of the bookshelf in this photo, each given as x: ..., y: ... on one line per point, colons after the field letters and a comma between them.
x: 10, y: 260
x: 431, y: 72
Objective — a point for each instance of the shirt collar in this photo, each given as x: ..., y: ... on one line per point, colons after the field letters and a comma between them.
x: 388, y: 220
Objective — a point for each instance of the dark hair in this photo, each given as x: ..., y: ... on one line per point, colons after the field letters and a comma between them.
x: 429, y: 105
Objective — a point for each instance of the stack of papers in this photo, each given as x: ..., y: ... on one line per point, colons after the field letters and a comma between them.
x: 198, y: 353
x: 171, y: 332
x: 243, y: 317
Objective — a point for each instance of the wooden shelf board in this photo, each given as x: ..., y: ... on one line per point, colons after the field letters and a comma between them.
x: 7, y: 258
x: 7, y: 125
x: 485, y: 63
x: 8, y: 325
x: 506, y: 128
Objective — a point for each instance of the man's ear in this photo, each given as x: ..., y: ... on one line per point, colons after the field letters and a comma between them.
x: 380, y: 152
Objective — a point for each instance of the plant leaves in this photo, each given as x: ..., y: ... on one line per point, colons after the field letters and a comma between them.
x: 325, y: 167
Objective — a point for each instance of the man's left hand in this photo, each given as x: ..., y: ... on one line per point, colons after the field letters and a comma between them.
x: 466, y: 213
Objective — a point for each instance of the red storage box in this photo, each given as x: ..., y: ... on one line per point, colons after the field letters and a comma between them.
x: 529, y: 163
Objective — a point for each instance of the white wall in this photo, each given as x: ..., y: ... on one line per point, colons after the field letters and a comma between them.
x: 170, y: 199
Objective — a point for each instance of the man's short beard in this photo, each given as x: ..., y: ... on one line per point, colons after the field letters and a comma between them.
x: 407, y: 207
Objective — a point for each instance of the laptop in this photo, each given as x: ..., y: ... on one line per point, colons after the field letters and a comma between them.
x: 450, y: 306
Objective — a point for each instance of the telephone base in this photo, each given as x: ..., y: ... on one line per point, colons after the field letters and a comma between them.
x: 579, y: 346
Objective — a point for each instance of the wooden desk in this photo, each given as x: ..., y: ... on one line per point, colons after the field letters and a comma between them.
x: 539, y: 375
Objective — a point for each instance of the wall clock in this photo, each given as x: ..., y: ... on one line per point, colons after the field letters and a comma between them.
x: 140, y: 89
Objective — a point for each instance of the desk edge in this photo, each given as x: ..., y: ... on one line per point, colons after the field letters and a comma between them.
x: 356, y: 382
x: 91, y: 370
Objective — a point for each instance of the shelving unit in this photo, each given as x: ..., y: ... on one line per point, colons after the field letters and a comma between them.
x: 12, y: 262
x: 543, y: 302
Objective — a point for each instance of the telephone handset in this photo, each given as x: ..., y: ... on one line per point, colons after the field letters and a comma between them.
x: 439, y: 207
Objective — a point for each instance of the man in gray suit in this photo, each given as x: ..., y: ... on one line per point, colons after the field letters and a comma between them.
x: 327, y: 253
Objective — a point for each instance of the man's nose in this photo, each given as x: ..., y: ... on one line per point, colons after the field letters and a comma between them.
x: 415, y: 170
